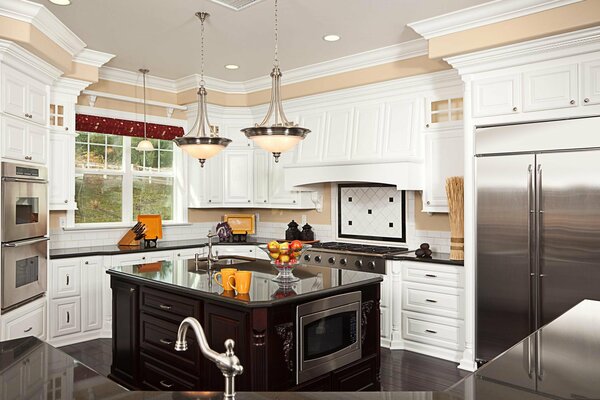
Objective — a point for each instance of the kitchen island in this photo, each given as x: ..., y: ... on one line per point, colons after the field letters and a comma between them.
x: 151, y: 300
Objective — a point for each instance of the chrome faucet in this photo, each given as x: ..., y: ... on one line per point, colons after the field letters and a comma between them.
x: 210, y: 258
x: 227, y: 362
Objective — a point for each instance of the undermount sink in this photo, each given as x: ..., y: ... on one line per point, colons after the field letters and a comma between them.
x: 222, y: 263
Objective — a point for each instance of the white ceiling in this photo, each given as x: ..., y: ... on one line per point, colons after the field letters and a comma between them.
x: 164, y: 35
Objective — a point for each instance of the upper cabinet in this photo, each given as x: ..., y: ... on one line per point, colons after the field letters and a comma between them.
x: 22, y: 141
x: 497, y: 96
x: 238, y: 177
x: 23, y: 96
x: 366, y: 131
x: 550, y: 88
x: 310, y: 150
x: 338, y: 136
x: 591, y: 82
x: 400, y: 129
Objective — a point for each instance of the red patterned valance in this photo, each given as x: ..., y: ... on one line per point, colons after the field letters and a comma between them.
x: 123, y: 127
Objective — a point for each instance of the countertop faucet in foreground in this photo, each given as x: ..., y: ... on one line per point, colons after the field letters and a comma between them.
x: 227, y: 362
x: 210, y: 258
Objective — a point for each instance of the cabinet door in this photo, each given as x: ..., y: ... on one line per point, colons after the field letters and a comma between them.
x: 65, y: 316
x: 444, y: 157
x: 591, y: 83
x: 125, y: 334
x: 367, y: 131
x: 238, y: 179
x: 25, y: 321
x: 214, y: 179
x: 14, y: 133
x: 401, y: 126
x: 37, y: 102
x: 358, y: 377
x: 61, y: 169
x: 37, y: 144
x: 550, y: 88
x: 198, y: 183
x: 338, y: 135
x: 14, y: 92
x: 262, y: 159
x: 278, y: 194
x: 496, y: 96
x: 238, y: 138
x: 310, y: 150
x: 91, y: 293
x: 66, y: 278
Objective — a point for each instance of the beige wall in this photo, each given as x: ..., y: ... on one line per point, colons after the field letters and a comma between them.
x: 571, y: 17
x: 54, y: 218
x: 429, y: 222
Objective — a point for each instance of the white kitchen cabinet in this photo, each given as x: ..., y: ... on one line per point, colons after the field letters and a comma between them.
x: 214, y: 179
x: 23, y: 141
x: 238, y: 177
x: 27, y: 320
x: 550, y: 88
x: 261, y: 176
x: 367, y: 131
x: 66, y: 316
x: 238, y: 138
x: 225, y: 250
x: 278, y: 193
x: 497, y: 96
x: 141, y: 258
x: 310, y: 150
x: 66, y: 278
x: 91, y: 293
x: 61, y: 188
x: 444, y: 158
x: 23, y: 96
x: 590, y: 82
x: 186, y: 254
x: 444, y: 112
x: 338, y: 135
x: 400, y: 128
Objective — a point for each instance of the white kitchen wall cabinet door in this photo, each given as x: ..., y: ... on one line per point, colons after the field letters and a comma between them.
x: 261, y: 176
x: 37, y: 144
x: 14, y: 133
x: 61, y: 188
x: 550, y: 88
x: 238, y: 177
x: 38, y: 104
x: 214, y: 179
x: 198, y: 184
x: 278, y: 194
x: 238, y: 138
x: 591, y: 83
x: 367, y: 131
x: 310, y: 150
x: 400, y: 127
x: 338, y: 134
x: 91, y: 293
x: 14, y: 92
x: 497, y: 96
x: 443, y: 158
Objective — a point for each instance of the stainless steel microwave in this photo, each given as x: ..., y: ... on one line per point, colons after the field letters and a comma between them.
x: 328, y: 335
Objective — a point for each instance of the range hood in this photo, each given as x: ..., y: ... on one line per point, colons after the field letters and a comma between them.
x: 406, y: 175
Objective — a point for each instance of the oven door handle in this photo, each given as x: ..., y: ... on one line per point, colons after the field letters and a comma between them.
x: 23, y: 180
x: 26, y: 242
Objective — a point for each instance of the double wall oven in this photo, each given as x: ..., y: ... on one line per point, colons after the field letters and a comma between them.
x: 24, y: 219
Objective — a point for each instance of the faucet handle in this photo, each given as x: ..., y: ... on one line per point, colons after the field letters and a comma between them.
x: 235, y: 366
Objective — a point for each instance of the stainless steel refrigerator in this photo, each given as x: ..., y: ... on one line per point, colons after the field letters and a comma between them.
x: 538, y: 226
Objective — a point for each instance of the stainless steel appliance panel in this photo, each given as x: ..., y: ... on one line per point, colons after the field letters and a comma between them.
x: 505, y: 201
x: 24, y: 268
x: 569, y: 230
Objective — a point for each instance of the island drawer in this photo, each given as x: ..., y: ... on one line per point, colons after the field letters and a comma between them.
x: 433, y: 299
x: 168, y: 305
x: 158, y: 337
x: 160, y: 376
x: 433, y: 274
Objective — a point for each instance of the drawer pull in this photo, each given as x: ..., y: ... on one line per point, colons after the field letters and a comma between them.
x: 28, y: 329
x: 166, y: 341
x: 67, y: 279
x: 431, y: 275
x: 431, y: 301
x: 165, y: 307
x: 68, y: 317
x: 430, y: 331
x: 166, y: 385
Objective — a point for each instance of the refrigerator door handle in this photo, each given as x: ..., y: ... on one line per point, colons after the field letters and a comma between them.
x: 530, y: 242
x: 538, y: 246
x: 529, y: 356
x: 538, y: 356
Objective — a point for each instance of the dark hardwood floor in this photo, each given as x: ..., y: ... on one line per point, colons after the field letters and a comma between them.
x: 400, y: 370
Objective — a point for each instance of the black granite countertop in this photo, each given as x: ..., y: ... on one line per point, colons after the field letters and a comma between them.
x: 436, y: 258
x: 162, y: 245
x: 559, y: 361
x: 264, y: 292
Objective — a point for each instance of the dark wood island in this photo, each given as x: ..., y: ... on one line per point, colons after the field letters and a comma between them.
x: 273, y: 343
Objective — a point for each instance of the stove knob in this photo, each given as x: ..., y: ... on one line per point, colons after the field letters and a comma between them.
x: 318, y: 258
x: 371, y: 264
x: 343, y: 261
x: 307, y: 257
x: 331, y: 260
x: 359, y: 263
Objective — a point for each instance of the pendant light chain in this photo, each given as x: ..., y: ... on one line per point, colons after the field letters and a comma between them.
x: 144, y: 72
x: 276, y: 60
x: 202, y: 18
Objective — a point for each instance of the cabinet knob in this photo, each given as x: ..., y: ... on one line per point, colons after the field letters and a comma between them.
x: 131, y: 290
x: 210, y: 201
x: 66, y: 201
x: 264, y: 201
x: 514, y: 108
x: 572, y: 102
x: 428, y: 202
x: 586, y: 100
x: 87, y: 262
x: 294, y: 201
x: 143, y: 258
x: 426, y: 125
x: 66, y: 128
x: 248, y: 201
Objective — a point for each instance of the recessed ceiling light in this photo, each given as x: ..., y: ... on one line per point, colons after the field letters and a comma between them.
x: 331, y: 38
x: 61, y: 2
x: 232, y: 66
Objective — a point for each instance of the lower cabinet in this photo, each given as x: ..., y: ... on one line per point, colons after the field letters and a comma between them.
x: 124, y: 368
x: 156, y: 375
x: 361, y: 376
x: 27, y: 320
x: 66, y: 316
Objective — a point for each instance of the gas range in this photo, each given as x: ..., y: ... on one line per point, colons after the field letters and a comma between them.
x: 350, y: 256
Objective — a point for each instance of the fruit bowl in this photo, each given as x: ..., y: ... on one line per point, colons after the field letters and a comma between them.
x: 285, y: 257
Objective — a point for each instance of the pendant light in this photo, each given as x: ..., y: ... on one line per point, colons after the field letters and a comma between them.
x: 282, y: 135
x: 144, y: 145
x: 197, y: 143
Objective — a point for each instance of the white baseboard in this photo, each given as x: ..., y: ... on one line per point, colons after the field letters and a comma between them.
x: 433, y: 351
x: 77, y: 338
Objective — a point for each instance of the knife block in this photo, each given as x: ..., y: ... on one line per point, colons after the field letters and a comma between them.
x: 129, y: 239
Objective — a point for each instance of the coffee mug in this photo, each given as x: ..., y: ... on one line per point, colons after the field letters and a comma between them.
x: 225, y: 273
x: 240, y: 281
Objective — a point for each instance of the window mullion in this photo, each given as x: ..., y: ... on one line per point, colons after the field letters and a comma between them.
x: 127, y: 181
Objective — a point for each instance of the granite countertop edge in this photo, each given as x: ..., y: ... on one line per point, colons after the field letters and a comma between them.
x: 436, y: 258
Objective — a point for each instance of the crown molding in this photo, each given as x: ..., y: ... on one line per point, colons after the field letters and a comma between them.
x: 40, y: 17
x: 93, y: 57
x: 402, y: 51
x: 69, y: 86
x: 483, y: 14
x: 16, y: 56
x: 549, y: 48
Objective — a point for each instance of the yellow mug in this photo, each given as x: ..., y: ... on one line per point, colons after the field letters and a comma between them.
x: 225, y: 273
x: 241, y: 281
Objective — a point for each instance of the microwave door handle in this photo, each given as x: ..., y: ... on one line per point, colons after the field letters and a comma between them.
x: 26, y: 242
x: 22, y: 180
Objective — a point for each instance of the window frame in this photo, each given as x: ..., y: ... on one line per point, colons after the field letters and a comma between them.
x: 179, y: 174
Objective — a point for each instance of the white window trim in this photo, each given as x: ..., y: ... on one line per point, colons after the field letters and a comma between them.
x: 180, y: 172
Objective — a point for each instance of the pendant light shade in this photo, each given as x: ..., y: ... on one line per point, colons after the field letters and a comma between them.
x: 202, y: 141
x: 281, y: 135
x: 144, y: 145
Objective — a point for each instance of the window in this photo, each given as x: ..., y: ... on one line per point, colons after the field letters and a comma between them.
x: 114, y: 182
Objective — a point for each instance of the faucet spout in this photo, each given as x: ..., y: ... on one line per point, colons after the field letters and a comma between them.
x: 227, y: 362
